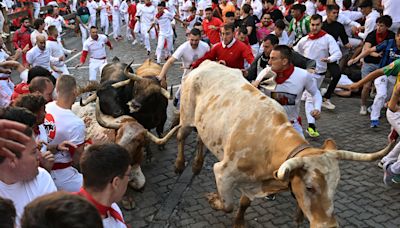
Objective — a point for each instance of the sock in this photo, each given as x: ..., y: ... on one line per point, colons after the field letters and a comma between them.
x: 312, y: 126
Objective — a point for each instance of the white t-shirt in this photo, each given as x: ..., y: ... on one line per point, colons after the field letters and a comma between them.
x: 146, y: 14
x: 284, y: 39
x: 96, y: 48
x: 390, y: 8
x: 57, y: 50
x: 3, y: 57
x: 22, y: 193
x: 310, y: 8
x: 164, y: 23
x: 188, y: 55
x: 35, y: 33
x: 292, y: 89
x: 111, y: 222
x: 92, y: 6
x: 61, y: 125
x: 37, y: 57
x: 58, y: 22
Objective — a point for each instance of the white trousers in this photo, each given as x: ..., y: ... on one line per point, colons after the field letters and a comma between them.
x: 116, y: 22
x: 36, y: 9
x: 146, y: 36
x: 84, y: 33
x: 160, y: 45
x: 384, y: 86
x: 95, y: 65
x: 394, y: 155
x: 68, y: 179
x: 64, y: 70
x: 6, y: 90
x: 92, y: 20
x: 104, y: 23
x: 309, y: 104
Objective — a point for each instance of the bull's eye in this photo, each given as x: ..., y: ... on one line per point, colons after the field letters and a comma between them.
x: 310, y: 189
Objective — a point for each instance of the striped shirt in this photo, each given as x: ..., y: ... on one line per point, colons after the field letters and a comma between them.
x: 301, y: 28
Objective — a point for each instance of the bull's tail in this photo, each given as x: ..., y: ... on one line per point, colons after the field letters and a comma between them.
x: 93, y: 86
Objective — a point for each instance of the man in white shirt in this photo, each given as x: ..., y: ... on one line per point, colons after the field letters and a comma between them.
x: 188, y: 52
x: 21, y: 178
x: 146, y: 14
x: 95, y: 45
x: 61, y: 125
x: 57, y: 51
x: 40, y: 56
x: 321, y: 47
x: 392, y: 9
x: 105, y: 10
x: 55, y: 19
x: 123, y: 9
x: 116, y: 20
x: 93, y: 8
x: 163, y: 19
x: 288, y: 84
x: 370, y: 18
x: 106, y: 172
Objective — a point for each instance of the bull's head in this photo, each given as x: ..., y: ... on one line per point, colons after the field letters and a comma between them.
x: 110, y: 100
x: 144, y: 88
x: 313, y: 179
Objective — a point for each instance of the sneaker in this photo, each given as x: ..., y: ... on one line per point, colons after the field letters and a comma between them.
x: 380, y: 164
x: 148, y: 52
x: 363, y: 110
x: 271, y: 197
x: 396, y: 179
x: 390, y: 178
x: 312, y: 133
x: 374, y: 123
x: 328, y: 105
x: 323, y: 91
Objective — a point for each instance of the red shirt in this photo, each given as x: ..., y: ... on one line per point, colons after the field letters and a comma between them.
x: 21, y: 88
x: 213, y: 35
x: 233, y: 56
x: 21, y: 38
x: 132, y: 14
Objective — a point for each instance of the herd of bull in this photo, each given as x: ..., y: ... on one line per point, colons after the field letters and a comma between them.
x: 258, y: 150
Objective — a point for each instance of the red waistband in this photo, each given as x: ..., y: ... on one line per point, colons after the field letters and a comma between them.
x: 57, y: 166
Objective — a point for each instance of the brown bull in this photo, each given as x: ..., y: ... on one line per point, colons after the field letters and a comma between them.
x: 259, y: 151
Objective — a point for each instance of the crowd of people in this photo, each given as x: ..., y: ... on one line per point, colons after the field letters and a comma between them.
x: 286, y: 48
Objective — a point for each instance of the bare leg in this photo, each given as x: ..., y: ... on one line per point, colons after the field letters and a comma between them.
x: 243, y: 205
x: 183, y: 132
x: 365, y: 93
x: 199, y: 159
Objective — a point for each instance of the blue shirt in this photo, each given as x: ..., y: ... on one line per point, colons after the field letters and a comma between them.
x: 390, y: 52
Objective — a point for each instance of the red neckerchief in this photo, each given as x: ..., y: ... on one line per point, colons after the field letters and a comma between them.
x: 148, y: 4
x: 321, y: 8
x: 299, y: 18
x: 51, y: 38
x: 284, y: 75
x: 190, y: 18
x: 158, y: 15
x: 288, y: 9
x: 105, y: 1
x: 320, y: 34
x: 380, y: 37
x: 100, y: 207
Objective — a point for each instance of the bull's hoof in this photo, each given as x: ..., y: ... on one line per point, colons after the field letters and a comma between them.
x: 196, y: 168
x: 239, y: 223
x: 215, y: 201
x: 128, y: 203
x: 179, y: 167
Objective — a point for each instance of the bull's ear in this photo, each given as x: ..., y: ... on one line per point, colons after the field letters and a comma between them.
x: 329, y: 144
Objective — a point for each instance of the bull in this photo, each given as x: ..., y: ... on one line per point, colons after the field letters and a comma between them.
x: 139, y: 95
x: 259, y: 151
x: 124, y: 131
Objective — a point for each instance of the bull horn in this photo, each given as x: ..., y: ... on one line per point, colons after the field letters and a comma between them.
x: 171, y: 91
x: 289, y: 165
x: 163, y: 140
x: 165, y: 93
x: 104, y: 120
x: 130, y: 75
x: 349, y: 155
x: 88, y: 100
x: 121, y: 83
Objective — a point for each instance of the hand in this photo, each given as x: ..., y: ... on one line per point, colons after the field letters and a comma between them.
x: 12, y: 138
x: 348, y: 46
x: 245, y: 73
x: 78, y: 65
x: 316, y: 114
x: 61, y: 58
x: 351, y: 62
x: 5, y: 70
x: 311, y: 71
x: 47, y: 160
x: 111, y: 47
x: 375, y: 54
x: 212, y: 27
x: 222, y: 62
x: 26, y: 48
x: 255, y: 83
x: 354, y: 30
x: 325, y: 60
x: 64, y: 146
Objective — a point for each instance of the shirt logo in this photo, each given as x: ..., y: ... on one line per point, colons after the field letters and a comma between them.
x: 50, y: 126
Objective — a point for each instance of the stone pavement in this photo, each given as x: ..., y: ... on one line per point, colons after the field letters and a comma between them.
x: 171, y: 200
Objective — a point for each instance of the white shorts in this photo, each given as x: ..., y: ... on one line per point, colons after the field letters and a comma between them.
x: 68, y: 179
